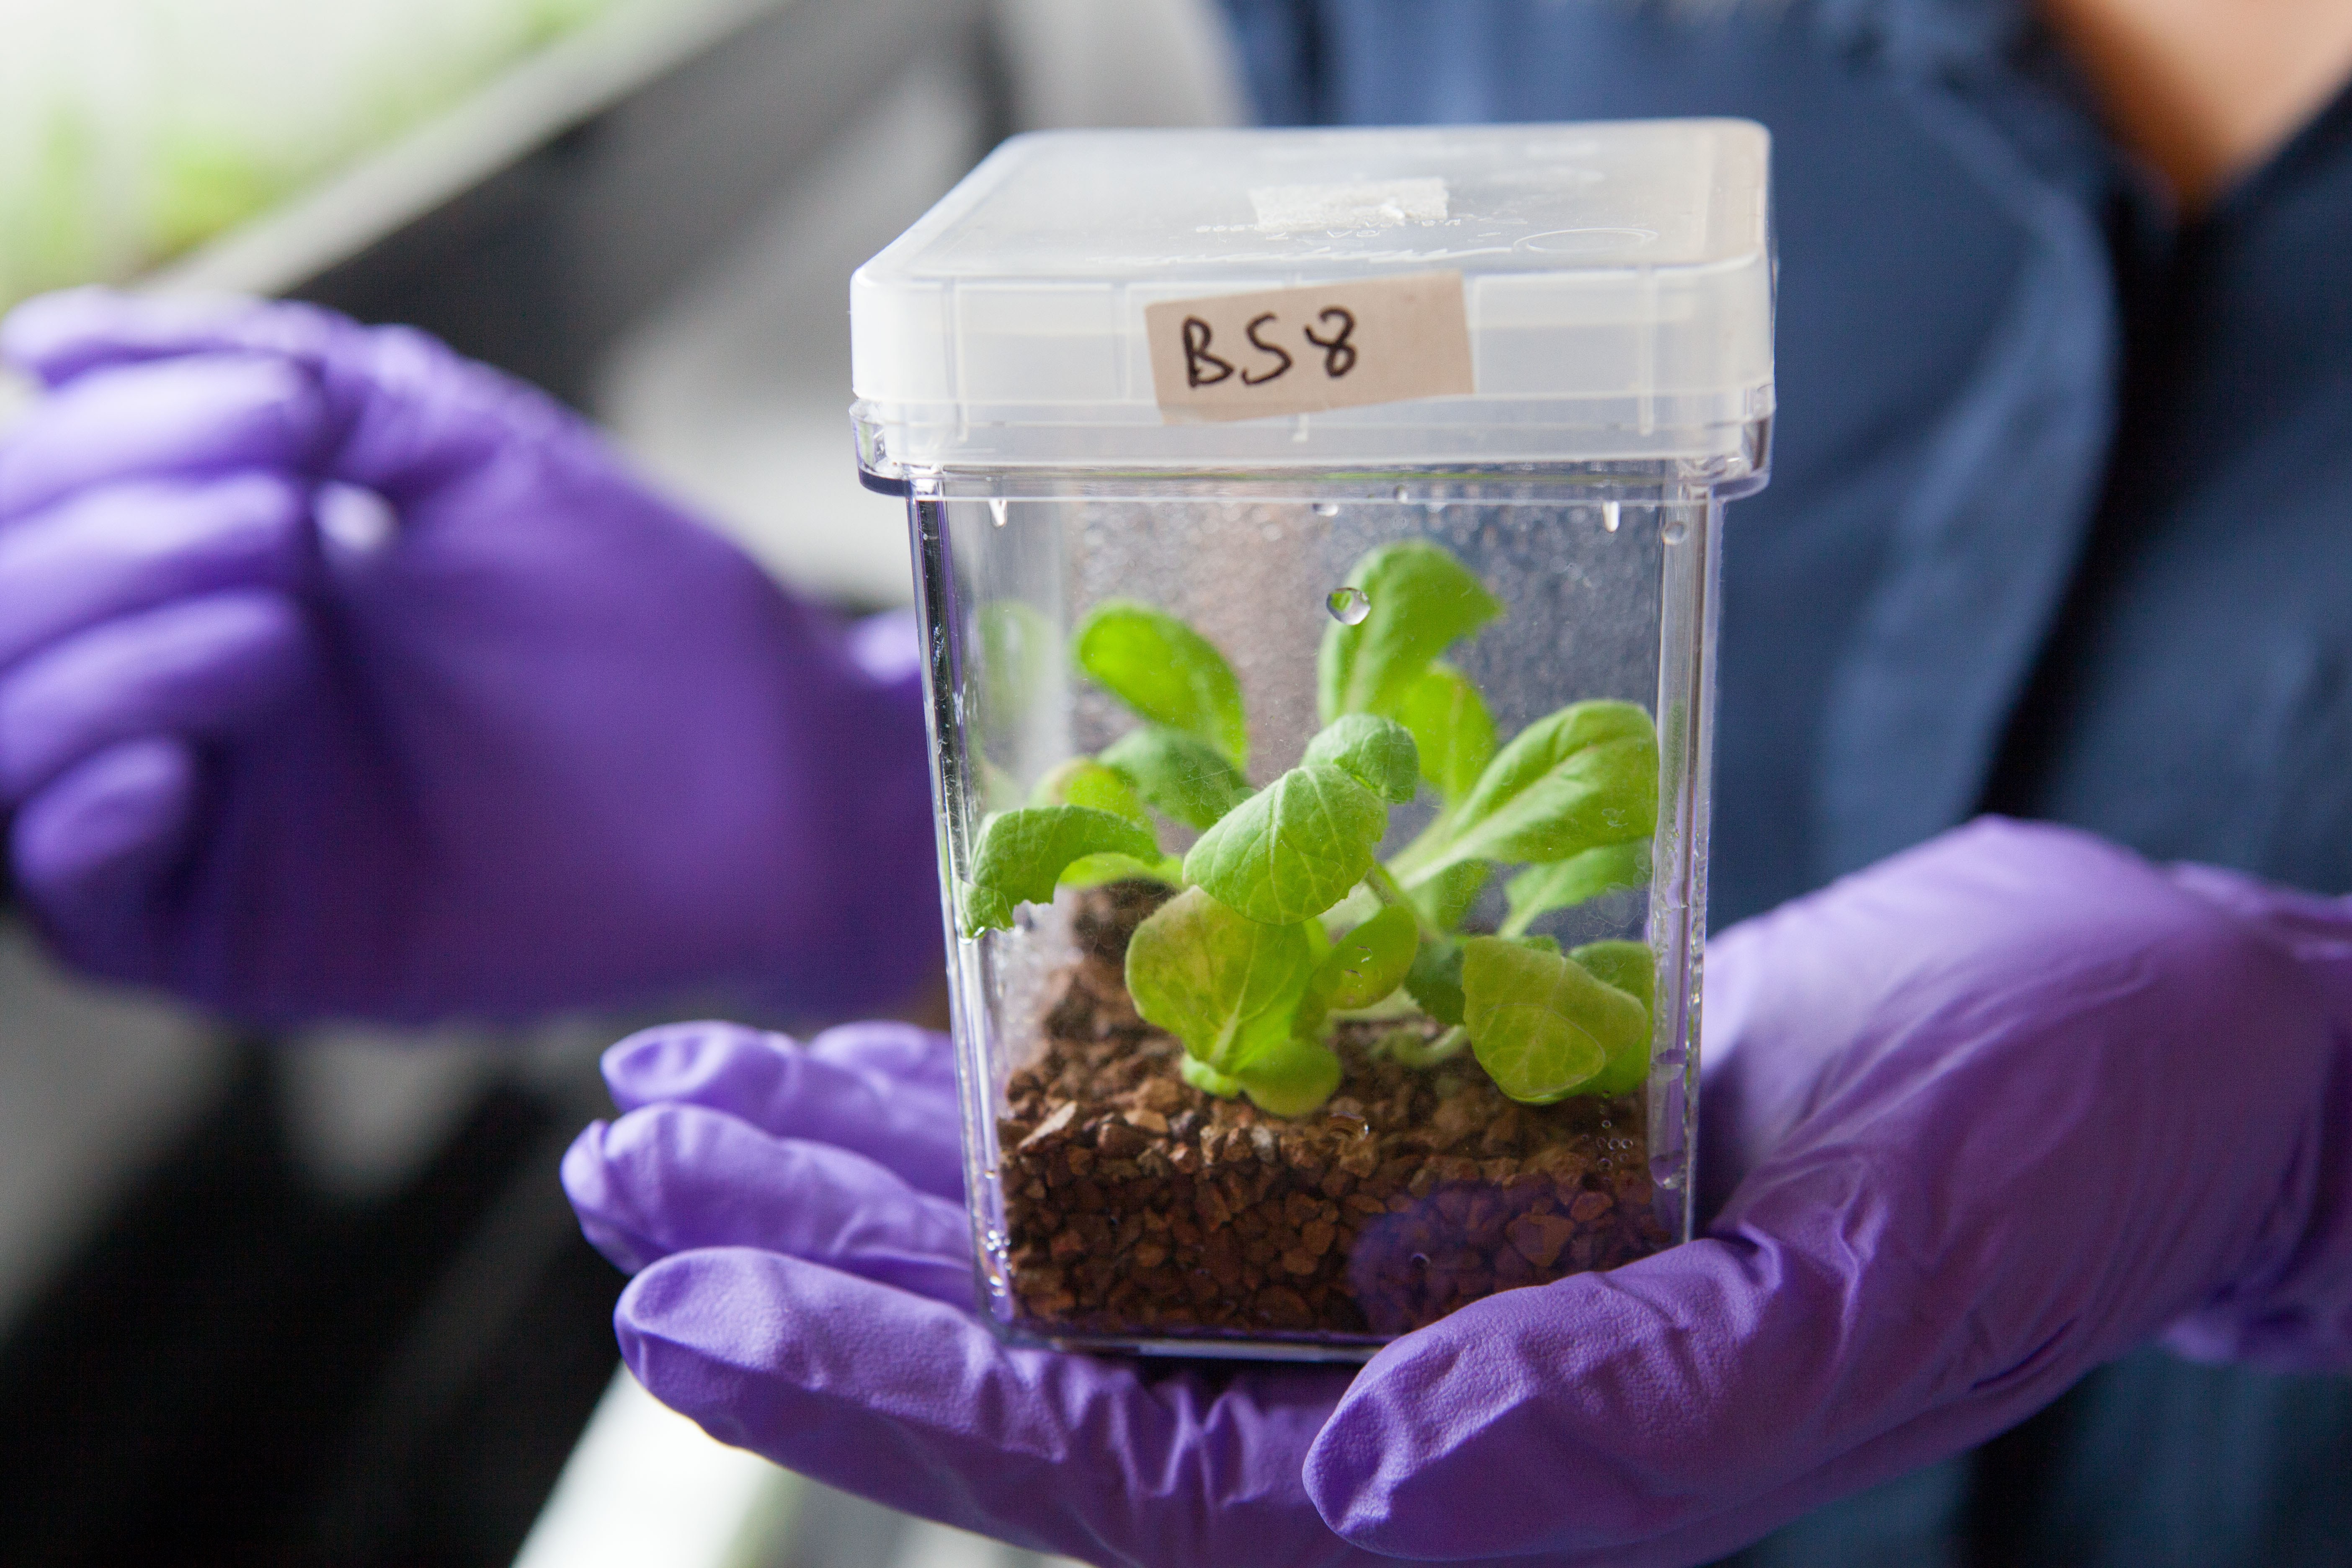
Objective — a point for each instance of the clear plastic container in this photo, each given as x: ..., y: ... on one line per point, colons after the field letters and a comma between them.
x: 1316, y: 537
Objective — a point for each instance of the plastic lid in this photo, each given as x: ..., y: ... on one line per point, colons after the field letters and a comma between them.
x: 1617, y: 281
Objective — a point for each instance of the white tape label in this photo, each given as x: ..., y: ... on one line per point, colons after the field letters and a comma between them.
x: 1303, y: 351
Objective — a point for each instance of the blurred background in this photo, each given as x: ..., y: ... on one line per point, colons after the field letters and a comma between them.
x: 321, y: 1300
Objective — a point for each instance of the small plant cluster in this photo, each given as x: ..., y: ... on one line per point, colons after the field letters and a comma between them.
x: 1285, y: 920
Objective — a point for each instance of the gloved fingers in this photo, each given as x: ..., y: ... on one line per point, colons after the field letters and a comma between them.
x: 1595, y: 1412
x: 60, y: 336
x: 909, y: 1058
x: 204, y: 668
x: 90, y: 851
x: 883, y: 1090
x: 1990, y: 1138
x: 135, y: 544
x: 672, y: 1178
x: 401, y: 413
x: 208, y: 414
x: 918, y: 1407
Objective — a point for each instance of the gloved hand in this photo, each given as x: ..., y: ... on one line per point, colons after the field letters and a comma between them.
x: 1986, y: 1115
x: 340, y: 674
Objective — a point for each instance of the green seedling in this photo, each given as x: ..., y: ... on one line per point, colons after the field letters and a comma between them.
x: 1023, y: 854
x: 1177, y: 774
x: 1451, y: 729
x: 1285, y: 919
x: 1226, y: 985
x: 1542, y: 1025
x: 1564, y: 884
x: 1165, y: 671
x: 1423, y: 601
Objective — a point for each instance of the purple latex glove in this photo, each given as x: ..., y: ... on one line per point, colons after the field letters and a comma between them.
x: 342, y: 675
x: 1995, y: 1111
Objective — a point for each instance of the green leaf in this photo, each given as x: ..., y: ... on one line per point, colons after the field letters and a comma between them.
x: 1367, y: 963
x: 1631, y: 968
x: 1435, y: 979
x: 1447, y: 897
x: 1541, y: 1024
x: 1225, y: 985
x: 1293, y: 849
x: 1165, y: 671
x: 1452, y: 728
x: 1564, y: 884
x: 1016, y: 648
x: 1082, y: 780
x: 1423, y: 600
x: 1378, y: 753
x: 1208, y: 1079
x: 1291, y: 1079
x: 984, y: 909
x: 1021, y: 853
x: 1410, y: 1048
x: 1178, y: 774
x: 1585, y: 776
x: 1094, y: 871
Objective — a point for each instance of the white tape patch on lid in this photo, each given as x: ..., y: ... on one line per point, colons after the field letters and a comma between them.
x: 1365, y: 203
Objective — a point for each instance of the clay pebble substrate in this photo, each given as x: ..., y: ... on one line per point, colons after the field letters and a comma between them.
x: 1138, y: 1206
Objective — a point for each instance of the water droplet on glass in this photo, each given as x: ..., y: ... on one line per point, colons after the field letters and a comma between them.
x: 1327, y: 509
x: 1609, y: 516
x: 1348, y: 606
x: 997, y: 507
x: 1675, y: 530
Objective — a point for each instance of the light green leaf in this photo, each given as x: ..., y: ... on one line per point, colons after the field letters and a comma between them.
x: 1631, y: 968
x: 1082, y: 780
x: 1016, y: 650
x: 1021, y: 853
x: 1446, y: 897
x: 1178, y: 774
x: 1540, y: 1023
x: 1208, y: 1079
x: 1293, y: 849
x: 1165, y: 671
x: 1378, y: 753
x: 1367, y: 963
x: 1094, y: 871
x: 1435, y: 981
x: 1564, y: 884
x: 1423, y: 600
x: 1291, y: 1079
x: 984, y: 909
x: 1585, y: 776
x: 1225, y: 985
x: 1452, y: 727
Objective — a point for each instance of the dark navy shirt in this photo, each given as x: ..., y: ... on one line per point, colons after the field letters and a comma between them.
x: 2060, y: 524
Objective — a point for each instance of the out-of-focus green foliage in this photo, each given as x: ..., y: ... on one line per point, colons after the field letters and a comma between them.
x: 133, y: 130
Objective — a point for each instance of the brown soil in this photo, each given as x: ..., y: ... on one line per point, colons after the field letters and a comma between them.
x: 1138, y: 1205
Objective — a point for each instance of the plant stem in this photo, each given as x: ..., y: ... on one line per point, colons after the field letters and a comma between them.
x: 1446, y: 1045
